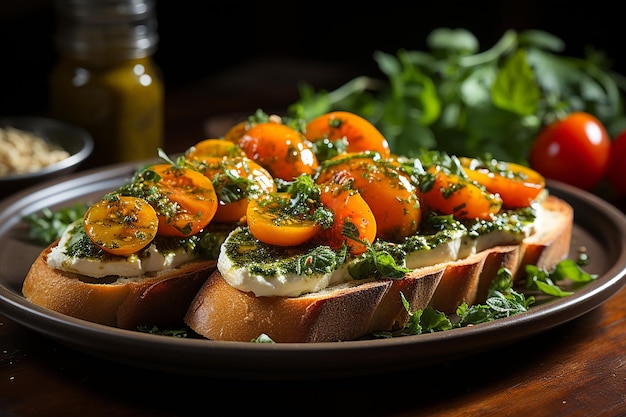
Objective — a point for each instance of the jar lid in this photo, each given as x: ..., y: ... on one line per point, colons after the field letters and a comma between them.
x: 119, y: 28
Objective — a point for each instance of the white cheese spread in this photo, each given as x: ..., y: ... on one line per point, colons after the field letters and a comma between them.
x: 150, y: 261
x: 293, y: 284
x: 282, y: 284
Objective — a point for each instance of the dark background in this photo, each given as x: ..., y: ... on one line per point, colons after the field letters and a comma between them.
x: 243, y: 45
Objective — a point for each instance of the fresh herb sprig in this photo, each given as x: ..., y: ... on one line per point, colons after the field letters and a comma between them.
x: 47, y: 225
x: 503, y: 300
x: 458, y: 99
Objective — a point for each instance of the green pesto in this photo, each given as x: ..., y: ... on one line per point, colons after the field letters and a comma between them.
x: 507, y: 220
x: 144, y: 185
x: 303, y: 204
x: 436, y: 230
x: 80, y: 246
x: 245, y: 251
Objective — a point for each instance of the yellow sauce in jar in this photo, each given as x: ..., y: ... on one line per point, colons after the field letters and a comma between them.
x: 120, y: 103
x: 105, y: 79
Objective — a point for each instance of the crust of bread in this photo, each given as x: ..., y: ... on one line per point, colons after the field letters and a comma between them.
x: 341, y: 312
x: 162, y: 298
x: 355, y: 309
x: 551, y: 243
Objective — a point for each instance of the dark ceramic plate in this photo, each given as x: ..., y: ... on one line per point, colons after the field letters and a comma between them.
x: 598, y: 226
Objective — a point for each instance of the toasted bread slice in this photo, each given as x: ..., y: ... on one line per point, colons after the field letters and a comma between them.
x: 341, y: 312
x: 124, y: 302
x: 355, y: 309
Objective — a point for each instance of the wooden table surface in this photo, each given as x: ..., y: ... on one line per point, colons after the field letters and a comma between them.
x: 575, y: 369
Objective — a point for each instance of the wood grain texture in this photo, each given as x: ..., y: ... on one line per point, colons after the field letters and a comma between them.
x: 576, y: 369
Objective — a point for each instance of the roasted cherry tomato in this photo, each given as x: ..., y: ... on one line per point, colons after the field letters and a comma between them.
x: 451, y: 194
x: 616, y: 173
x: 236, y: 180
x: 280, y: 149
x: 121, y: 225
x: 211, y: 148
x: 360, y: 134
x: 516, y: 184
x: 271, y: 222
x: 193, y: 197
x: 574, y: 150
x: 347, y: 206
x: 388, y: 191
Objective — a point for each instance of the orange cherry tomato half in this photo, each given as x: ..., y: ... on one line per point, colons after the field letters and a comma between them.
x: 236, y: 180
x: 194, y: 197
x: 516, y: 184
x: 450, y: 194
x: 388, y: 191
x: 211, y: 148
x: 347, y: 206
x: 121, y: 225
x: 280, y: 149
x: 269, y: 224
x: 361, y: 135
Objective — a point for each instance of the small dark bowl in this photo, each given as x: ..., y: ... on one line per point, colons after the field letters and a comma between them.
x: 75, y: 140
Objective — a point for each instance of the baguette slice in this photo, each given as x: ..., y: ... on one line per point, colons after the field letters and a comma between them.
x: 341, y: 312
x: 469, y: 279
x: 124, y: 302
x: 355, y: 309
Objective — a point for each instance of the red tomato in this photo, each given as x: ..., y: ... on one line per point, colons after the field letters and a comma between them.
x: 616, y: 173
x: 574, y: 150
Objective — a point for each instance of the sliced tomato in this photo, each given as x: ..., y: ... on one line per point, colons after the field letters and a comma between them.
x: 348, y: 206
x: 450, y: 194
x: 194, y: 198
x: 269, y: 223
x: 517, y: 185
x: 360, y: 134
x: 121, y: 225
x: 280, y: 149
x: 388, y: 191
x: 236, y: 180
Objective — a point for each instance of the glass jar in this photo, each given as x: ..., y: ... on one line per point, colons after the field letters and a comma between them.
x: 105, y: 79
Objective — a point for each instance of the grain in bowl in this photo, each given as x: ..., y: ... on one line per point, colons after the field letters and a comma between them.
x: 23, y: 152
